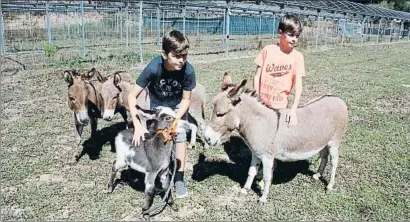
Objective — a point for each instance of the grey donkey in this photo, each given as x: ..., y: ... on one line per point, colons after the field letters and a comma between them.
x: 152, y: 157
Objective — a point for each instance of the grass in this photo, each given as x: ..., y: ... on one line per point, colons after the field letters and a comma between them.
x: 371, y: 181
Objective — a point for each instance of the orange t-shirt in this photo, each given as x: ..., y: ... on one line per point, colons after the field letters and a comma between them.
x: 278, y: 74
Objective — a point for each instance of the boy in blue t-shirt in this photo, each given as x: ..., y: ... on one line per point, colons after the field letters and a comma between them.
x: 170, y: 80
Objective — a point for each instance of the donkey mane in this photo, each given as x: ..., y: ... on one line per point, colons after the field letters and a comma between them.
x: 252, y: 93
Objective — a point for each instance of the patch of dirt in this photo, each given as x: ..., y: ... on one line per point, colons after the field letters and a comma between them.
x: 231, y: 197
x: 13, y: 212
x: 49, y: 178
x: 188, y: 212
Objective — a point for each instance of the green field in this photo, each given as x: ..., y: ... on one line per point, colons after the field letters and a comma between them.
x: 372, y: 181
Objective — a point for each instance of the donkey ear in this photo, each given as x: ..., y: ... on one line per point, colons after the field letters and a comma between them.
x: 117, y: 79
x: 149, y: 114
x: 227, y: 80
x: 99, y: 76
x: 91, y: 73
x: 234, y: 93
x: 68, y: 77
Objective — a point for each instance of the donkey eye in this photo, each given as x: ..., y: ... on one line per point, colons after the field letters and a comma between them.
x: 168, y: 118
x: 220, y: 114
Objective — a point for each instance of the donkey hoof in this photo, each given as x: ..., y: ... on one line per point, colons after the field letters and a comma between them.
x: 173, y: 206
x: 329, y: 189
x: 147, y: 217
x: 110, y: 189
x: 316, y: 176
x: 243, y: 192
x: 262, y: 200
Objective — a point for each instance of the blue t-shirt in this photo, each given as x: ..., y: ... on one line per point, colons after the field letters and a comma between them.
x: 165, y: 87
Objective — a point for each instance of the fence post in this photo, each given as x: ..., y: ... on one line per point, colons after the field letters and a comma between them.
x: 260, y: 27
x: 223, y: 30
x: 127, y: 24
x: 83, y: 28
x: 68, y: 25
x: 378, y: 31
x: 343, y: 33
x: 197, y: 25
x: 29, y: 24
x: 150, y: 24
x: 401, y: 32
x: 326, y: 30
x: 274, y: 26
x: 121, y: 23
x: 228, y: 20
x: 48, y: 24
x: 391, y: 31
x: 362, y: 30
x: 3, y: 46
x: 317, y: 30
x: 158, y: 24
x: 408, y: 31
x: 140, y: 34
x: 163, y: 22
x: 183, y: 20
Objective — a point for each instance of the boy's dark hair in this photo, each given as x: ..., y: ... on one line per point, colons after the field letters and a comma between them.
x: 174, y: 41
x: 290, y: 24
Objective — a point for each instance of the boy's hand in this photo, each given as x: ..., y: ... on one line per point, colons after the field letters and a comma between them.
x: 139, y: 132
x: 291, y: 118
x: 174, y: 124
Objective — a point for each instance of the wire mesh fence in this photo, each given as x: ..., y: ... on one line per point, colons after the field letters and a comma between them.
x: 66, y: 32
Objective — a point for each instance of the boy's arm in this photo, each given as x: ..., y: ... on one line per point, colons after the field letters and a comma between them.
x: 132, y: 101
x: 138, y: 129
x: 185, y: 103
x: 256, y: 79
x: 298, y: 92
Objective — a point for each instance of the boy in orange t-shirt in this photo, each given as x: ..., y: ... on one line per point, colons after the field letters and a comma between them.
x: 279, y: 68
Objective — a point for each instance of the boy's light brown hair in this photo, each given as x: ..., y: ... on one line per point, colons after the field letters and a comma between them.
x: 290, y: 24
x: 174, y: 41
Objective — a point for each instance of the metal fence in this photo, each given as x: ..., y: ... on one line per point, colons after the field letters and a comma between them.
x: 65, y: 32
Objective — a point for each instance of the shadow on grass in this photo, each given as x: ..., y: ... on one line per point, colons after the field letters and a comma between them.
x: 93, y: 146
x: 237, y: 171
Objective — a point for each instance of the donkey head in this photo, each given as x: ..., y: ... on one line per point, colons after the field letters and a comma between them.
x: 224, y: 116
x: 78, y: 92
x: 158, y: 118
x: 110, y: 93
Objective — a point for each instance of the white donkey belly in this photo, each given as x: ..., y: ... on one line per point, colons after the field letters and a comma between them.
x: 298, y: 155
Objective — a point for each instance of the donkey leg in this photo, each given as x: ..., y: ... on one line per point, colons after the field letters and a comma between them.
x: 194, y: 131
x: 324, y: 155
x: 123, y: 113
x: 116, y: 166
x: 165, y: 183
x: 253, y: 169
x: 267, y: 177
x: 78, y: 133
x: 149, y: 190
x: 94, y: 123
x: 334, y: 155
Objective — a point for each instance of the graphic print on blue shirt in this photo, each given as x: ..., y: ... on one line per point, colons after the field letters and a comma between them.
x: 165, y: 87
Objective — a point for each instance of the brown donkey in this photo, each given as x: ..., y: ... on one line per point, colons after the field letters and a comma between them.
x: 84, y: 99
x: 321, y: 125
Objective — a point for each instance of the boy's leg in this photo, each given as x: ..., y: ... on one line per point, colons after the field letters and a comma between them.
x: 180, y: 187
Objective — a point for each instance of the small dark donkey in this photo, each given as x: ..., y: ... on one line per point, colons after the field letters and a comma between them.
x: 152, y: 157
